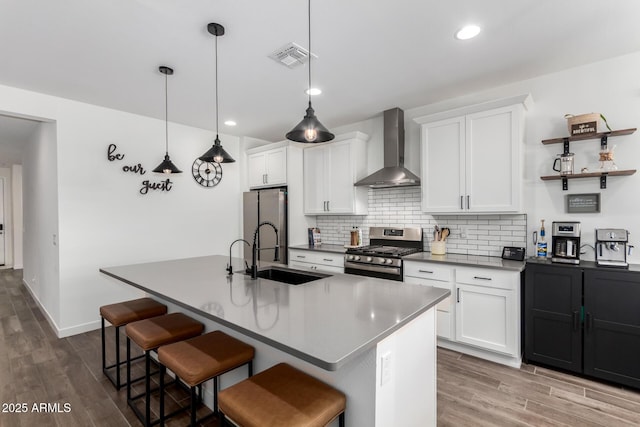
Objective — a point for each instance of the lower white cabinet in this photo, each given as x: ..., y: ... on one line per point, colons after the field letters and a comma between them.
x: 483, y: 311
x: 439, y: 277
x: 330, y: 262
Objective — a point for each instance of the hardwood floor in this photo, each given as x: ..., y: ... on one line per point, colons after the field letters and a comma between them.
x: 37, y: 367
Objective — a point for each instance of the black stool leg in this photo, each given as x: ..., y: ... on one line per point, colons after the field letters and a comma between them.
x: 118, y: 384
x: 104, y: 355
x: 128, y: 369
x: 147, y: 388
x: 194, y: 405
x: 341, y: 420
x: 162, y: 391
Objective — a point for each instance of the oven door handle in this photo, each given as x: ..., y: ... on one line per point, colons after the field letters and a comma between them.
x: 373, y: 268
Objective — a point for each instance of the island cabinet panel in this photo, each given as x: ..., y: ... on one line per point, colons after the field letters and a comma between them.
x: 472, y: 163
x: 612, y: 326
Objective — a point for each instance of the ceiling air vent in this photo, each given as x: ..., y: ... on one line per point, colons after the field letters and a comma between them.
x: 291, y: 55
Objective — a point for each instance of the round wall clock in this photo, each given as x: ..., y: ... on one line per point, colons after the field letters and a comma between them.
x: 207, y: 174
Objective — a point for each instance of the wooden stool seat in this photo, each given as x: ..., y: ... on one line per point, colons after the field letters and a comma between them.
x: 118, y: 315
x: 200, y: 359
x: 149, y: 334
x: 130, y: 311
x: 282, y: 396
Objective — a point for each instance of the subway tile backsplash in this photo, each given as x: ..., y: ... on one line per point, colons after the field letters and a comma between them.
x: 400, y: 207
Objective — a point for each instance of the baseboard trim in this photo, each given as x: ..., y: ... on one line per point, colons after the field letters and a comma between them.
x: 61, y: 332
x: 514, y: 362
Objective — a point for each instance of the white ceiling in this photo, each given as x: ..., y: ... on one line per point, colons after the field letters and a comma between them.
x: 372, y: 55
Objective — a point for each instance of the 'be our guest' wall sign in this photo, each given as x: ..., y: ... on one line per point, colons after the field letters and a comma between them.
x: 165, y: 185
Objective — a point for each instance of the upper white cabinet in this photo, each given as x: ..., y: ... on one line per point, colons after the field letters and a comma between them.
x: 330, y: 170
x: 472, y: 158
x: 267, y: 167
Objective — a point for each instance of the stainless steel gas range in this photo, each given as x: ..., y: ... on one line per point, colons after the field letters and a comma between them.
x: 383, y: 257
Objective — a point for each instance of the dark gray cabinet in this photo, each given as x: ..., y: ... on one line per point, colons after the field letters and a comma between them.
x: 552, y: 328
x: 583, y: 319
x: 612, y: 325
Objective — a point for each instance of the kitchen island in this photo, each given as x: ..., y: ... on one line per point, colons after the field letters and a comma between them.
x: 373, y: 339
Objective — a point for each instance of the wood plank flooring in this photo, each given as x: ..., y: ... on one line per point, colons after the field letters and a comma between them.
x: 37, y: 367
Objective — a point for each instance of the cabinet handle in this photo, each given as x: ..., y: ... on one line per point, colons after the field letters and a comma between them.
x: 324, y: 206
x: 328, y: 208
x: 576, y: 320
x: 482, y: 278
x: 300, y: 256
x: 327, y: 259
x: 426, y: 271
x: 468, y: 204
x: 589, y: 322
x: 461, y: 201
x: 266, y: 178
x: 458, y: 294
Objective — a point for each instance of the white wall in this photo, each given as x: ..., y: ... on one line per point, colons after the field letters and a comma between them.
x: 101, y: 219
x: 18, y: 227
x: 609, y: 87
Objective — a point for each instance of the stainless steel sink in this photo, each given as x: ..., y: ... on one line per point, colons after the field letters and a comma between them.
x: 289, y: 276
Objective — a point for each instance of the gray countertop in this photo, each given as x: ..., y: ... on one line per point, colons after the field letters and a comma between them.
x: 583, y: 264
x: 327, y: 322
x: 340, y: 249
x: 468, y: 260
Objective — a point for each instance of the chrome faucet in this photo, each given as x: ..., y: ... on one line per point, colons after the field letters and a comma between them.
x: 229, y: 267
x: 254, y: 265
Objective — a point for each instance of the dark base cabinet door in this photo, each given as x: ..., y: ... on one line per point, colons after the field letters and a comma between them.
x: 612, y: 326
x: 552, y: 305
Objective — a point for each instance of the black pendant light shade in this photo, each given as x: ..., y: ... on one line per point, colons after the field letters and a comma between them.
x: 216, y: 153
x: 310, y: 129
x: 167, y: 165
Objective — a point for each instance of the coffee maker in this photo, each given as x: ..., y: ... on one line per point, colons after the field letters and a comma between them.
x: 565, y: 242
x: 612, y: 247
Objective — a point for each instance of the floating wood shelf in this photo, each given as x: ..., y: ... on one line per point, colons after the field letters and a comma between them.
x: 589, y: 136
x: 601, y: 175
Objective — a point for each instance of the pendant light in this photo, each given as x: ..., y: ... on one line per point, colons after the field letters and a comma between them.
x: 310, y: 129
x: 216, y: 153
x: 167, y: 165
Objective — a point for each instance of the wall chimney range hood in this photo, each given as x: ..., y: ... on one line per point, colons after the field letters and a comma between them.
x: 393, y: 174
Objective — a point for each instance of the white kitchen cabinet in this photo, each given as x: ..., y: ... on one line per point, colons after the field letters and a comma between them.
x: 471, y: 162
x: 419, y: 273
x: 487, y: 309
x: 482, y: 315
x: 329, y: 262
x: 330, y: 170
x: 267, y: 168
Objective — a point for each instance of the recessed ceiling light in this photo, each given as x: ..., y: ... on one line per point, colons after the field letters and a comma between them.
x: 313, y: 91
x: 468, y: 32
x: 230, y: 123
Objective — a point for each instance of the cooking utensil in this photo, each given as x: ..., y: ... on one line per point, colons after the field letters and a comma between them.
x: 445, y: 233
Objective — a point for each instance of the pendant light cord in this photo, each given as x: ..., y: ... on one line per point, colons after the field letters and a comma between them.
x: 216, y: 53
x: 309, y: 22
x: 166, y: 115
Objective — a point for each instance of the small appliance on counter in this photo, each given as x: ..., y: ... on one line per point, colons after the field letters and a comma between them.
x: 612, y: 247
x: 565, y: 242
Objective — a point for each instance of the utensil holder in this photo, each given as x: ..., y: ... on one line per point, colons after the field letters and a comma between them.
x: 438, y: 247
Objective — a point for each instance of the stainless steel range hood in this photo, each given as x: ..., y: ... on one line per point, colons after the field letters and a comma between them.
x: 393, y: 174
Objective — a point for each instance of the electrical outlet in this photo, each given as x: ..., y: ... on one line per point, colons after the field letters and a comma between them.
x: 463, y: 232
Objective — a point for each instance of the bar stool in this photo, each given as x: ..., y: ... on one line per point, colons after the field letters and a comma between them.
x: 118, y: 315
x: 200, y: 359
x: 149, y: 334
x: 281, y: 396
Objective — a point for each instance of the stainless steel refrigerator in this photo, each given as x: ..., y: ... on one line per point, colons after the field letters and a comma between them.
x: 266, y: 205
